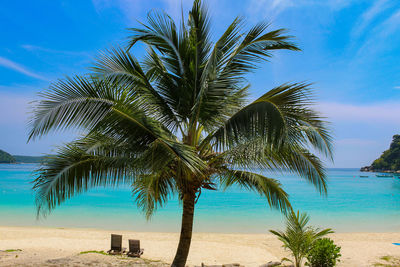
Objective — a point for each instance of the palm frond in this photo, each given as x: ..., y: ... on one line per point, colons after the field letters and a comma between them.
x: 269, y: 188
x: 218, y: 91
x: 74, y: 170
x: 152, y: 190
x: 255, y: 48
x: 106, y: 107
x: 292, y: 158
x: 73, y: 102
x: 123, y: 68
x: 282, y: 115
x: 161, y: 33
x: 278, y: 141
x: 199, y: 32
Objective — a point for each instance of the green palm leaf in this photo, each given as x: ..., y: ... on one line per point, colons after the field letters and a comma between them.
x: 298, y: 236
x: 75, y: 169
x: 269, y: 188
x: 153, y: 190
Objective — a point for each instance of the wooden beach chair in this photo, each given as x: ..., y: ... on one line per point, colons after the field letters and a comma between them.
x: 134, y: 248
x: 116, y: 245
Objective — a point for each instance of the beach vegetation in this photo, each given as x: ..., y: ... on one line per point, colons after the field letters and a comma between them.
x: 12, y: 250
x: 94, y: 251
x: 388, y: 261
x: 179, y: 120
x: 323, y: 253
x: 299, y: 237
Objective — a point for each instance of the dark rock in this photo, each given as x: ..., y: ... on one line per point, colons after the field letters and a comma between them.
x: 223, y: 265
x: 366, y: 169
x: 271, y: 264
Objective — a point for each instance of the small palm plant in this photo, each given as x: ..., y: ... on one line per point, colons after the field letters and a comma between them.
x: 298, y: 236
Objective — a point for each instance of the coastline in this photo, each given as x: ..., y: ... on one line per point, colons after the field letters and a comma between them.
x: 346, y: 208
x: 43, y: 245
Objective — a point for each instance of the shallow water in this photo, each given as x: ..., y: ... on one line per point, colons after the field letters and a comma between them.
x: 353, y: 204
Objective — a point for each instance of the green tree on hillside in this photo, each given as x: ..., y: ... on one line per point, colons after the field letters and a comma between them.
x: 178, y: 122
x: 5, y: 157
x: 390, y: 159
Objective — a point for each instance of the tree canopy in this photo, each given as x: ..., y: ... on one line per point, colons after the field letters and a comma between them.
x: 5, y: 157
x: 390, y: 159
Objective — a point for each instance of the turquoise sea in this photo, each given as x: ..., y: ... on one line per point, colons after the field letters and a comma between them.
x: 353, y: 204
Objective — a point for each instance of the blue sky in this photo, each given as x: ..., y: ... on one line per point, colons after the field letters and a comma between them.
x: 351, y: 52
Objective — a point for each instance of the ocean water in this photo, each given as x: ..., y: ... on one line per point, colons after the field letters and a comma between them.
x: 353, y: 204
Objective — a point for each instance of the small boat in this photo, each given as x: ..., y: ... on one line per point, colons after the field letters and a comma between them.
x: 384, y: 175
x: 364, y: 176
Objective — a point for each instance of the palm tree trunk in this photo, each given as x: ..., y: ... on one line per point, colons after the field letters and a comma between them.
x: 186, y: 231
x: 297, y: 262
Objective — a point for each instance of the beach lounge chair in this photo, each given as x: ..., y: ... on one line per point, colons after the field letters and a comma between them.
x: 134, y: 248
x: 116, y: 245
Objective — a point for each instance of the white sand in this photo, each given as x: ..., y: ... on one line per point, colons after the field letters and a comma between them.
x: 61, y: 247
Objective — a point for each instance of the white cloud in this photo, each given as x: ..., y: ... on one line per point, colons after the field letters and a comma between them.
x: 379, y: 34
x: 387, y: 113
x: 16, y: 108
x: 270, y: 8
x: 174, y: 8
x: 129, y: 8
x: 355, y: 142
x: 391, y: 24
x: 369, y: 15
x: 19, y: 68
x: 32, y: 48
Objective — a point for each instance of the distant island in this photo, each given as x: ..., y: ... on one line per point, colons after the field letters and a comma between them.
x: 8, y: 158
x: 28, y: 159
x: 389, y: 161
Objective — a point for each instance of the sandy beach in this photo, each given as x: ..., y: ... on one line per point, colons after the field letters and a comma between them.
x: 62, y: 247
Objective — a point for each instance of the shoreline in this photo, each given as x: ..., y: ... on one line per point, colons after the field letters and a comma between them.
x: 155, y: 231
x: 44, y: 245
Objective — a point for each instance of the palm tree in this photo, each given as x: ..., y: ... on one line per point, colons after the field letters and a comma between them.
x: 177, y: 121
x: 298, y: 236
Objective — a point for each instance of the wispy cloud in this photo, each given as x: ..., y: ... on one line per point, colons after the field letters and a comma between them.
x: 377, y: 37
x: 386, y: 112
x: 392, y: 24
x: 336, y: 4
x: 174, y: 7
x: 29, y: 47
x: 129, y: 8
x: 270, y: 8
x: 15, y: 106
x: 356, y: 142
x: 19, y: 68
x: 369, y: 15
x: 14, y: 126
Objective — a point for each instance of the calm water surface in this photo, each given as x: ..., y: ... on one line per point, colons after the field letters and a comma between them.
x: 353, y: 204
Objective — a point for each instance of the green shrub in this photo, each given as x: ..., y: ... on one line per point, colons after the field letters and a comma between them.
x: 323, y: 253
x: 299, y: 236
